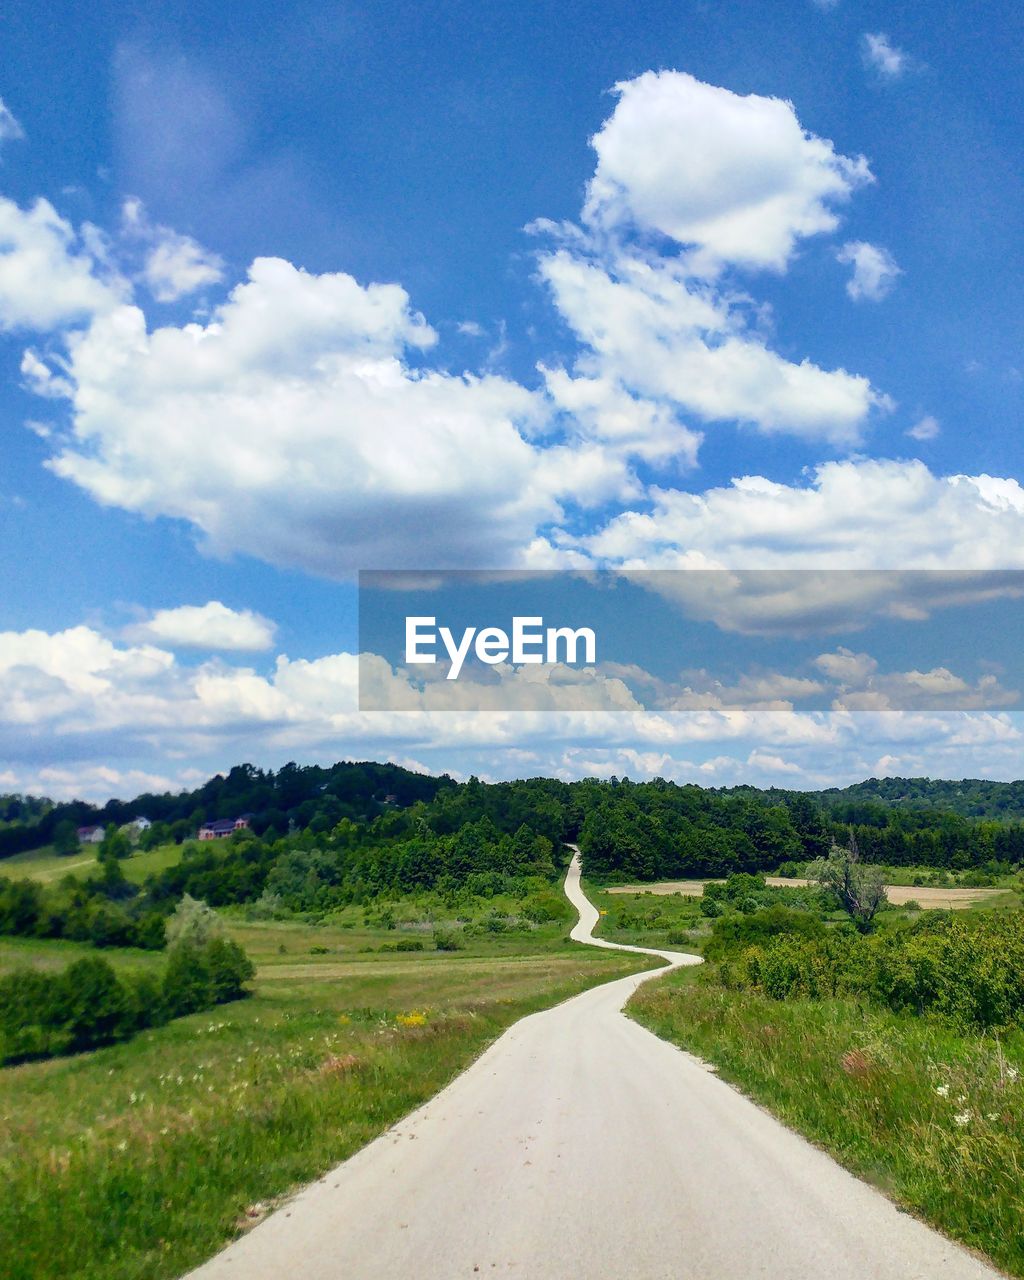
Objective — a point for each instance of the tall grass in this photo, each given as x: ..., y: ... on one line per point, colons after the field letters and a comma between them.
x: 932, y: 1116
x: 137, y: 1161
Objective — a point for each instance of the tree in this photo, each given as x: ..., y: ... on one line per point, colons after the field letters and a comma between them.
x: 115, y: 845
x: 193, y: 924
x: 65, y: 838
x: 858, y: 888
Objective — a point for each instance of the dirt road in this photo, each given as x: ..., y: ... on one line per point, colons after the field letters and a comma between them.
x: 582, y: 1147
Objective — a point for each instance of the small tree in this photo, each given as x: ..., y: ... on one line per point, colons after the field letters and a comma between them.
x: 858, y: 888
x: 193, y: 924
x: 115, y: 845
x: 65, y: 838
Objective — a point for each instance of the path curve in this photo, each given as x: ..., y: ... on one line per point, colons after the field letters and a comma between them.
x: 579, y: 1146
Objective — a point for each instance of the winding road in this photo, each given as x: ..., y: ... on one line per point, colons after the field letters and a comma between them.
x: 582, y: 1146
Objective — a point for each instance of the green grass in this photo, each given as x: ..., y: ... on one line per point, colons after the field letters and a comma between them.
x: 49, y: 868
x: 138, y: 1161
x: 933, y: 1117
x: 650, y: 920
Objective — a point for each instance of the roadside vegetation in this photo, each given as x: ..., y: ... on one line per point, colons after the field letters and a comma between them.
x: 138, y: 1160
x: 894, y: 1038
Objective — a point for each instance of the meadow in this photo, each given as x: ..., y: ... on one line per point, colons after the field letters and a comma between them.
x: 137, y: 1161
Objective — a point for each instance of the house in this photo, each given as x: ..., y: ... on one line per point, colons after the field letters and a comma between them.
x: 221, y: 827
x: 91, y: 835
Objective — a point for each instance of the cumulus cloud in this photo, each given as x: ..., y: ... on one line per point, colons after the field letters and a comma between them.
x: 293, y: 427
x: 209, y: 626
x: 856, y: 514
x: 874, y: 270
x: 174, y: 265
x: 881, y: 55
x: 49, y: 275
x: 648, y: 329
x: 82, y: 715
x: 735, y: 177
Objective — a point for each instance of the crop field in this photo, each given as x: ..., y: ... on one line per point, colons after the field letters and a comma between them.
x: 955, y: 898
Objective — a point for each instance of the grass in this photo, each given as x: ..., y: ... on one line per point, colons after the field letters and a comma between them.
x: 932, y: 1117
x: 646, y: 920
x: 138, y: 1161
x: 49, y: 868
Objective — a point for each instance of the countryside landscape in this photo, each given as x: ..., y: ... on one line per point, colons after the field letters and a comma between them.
x: 251, y: 1010
x: 511, y: 640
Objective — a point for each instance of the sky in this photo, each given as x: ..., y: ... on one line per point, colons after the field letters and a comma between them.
x: 307, y: 290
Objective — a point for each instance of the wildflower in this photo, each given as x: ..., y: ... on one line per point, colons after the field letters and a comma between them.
x: 122, y: 1146
x: 413, y: 1019
x: 1012, y: 1073
x: 942, y: 1090
x: 962, y: 1118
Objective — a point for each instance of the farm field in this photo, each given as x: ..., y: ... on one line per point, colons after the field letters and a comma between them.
x: 137, y: 1161
x: 955, y: 898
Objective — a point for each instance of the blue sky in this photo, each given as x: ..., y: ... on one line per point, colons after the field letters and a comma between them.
x: 722, y: 287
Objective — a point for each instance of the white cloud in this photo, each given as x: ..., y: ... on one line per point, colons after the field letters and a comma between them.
x: 49, y: 276
x: 883, y: 56
x: 291, y: 427
x: 208, y: 626
x: 926, y: 428
x: 10, y: 129
x: 174, y: 265
x: 858, y: 514
x: 874, y: 270
x: 737, y: 178
x: 650, y: 330
x: 846, y: 667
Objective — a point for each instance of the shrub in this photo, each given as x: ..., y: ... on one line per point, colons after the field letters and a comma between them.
x: 731, y: 933
x: 229, y: 969
x: 448, y: 940
x: 26, y: 1014
x: 90, y: 1006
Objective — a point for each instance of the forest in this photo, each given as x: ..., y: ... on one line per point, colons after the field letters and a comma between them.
x: 322, y: 838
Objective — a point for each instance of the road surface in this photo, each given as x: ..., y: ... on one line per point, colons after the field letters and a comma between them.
x: 582, y: 1147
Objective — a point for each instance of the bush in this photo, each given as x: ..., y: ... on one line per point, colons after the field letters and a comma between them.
x: 448, y: 940
x: 968, y: 971
x: 731, y: 933
x: 229, y: 969
x: 90, y: 1006
x: 26, y: 1014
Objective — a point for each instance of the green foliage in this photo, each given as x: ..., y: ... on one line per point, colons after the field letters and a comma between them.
x: 735, y: 932
x: 448, y: 940
x: 857, y: 888
x: 88, y: 1004
x: 967, y: 970
x: 65, y: 838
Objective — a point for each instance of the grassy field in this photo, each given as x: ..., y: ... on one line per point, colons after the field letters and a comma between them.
x: 137, y: 1161
x: 48, y: 867
x: 932, y: 1117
